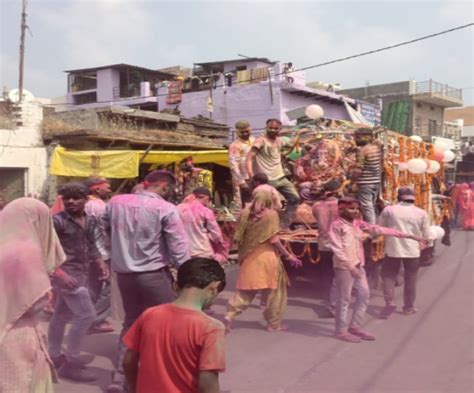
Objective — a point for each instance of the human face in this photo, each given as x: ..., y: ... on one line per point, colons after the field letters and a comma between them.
x: 244, y: 133
x: 349, y: 212
x: 74, y: 205
x: 273, y: 129
x: 362, y: 140
x: 204, y: 199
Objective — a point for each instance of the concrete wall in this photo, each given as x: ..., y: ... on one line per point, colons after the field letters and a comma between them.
x: 23, y: 148
x: 386, y: 89
x: 107, y: 80
x: 426, y: 112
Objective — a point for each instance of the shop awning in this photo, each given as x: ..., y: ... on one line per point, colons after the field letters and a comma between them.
x: 123, y: 164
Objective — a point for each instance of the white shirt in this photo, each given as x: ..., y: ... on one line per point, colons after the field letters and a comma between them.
x: 407, y: 218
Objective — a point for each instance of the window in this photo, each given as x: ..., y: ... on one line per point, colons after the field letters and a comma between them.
x: 241, y: 68
x: 418, y: 105
x: 432, y: 126
x: 417, y: 122
x: 432, y: 108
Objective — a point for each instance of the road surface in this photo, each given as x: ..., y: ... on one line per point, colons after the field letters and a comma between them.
x: 429, y: 352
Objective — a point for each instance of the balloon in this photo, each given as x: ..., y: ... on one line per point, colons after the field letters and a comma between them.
x: 438, y: 155
x: 437, y: 232
x: 434, y: 167
x: 428, y: 163
x: 417, y: 165
x: 441, y: 145
x: 416, y: 138
x: 448, y: 156
x: 402, y: 166
x: 314, y: 111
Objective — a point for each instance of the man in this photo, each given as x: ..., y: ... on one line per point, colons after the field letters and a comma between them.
x: 176, y: 347
x: 405, y: 217
x: 265, y: 156
x: 238, y: 151
x: 367, y: 172
x: 201, y: 226
x: 75, y: 230
x: 346, y: 236
x: 147, y: 236
x: 325, y: 212
x: 100, y: 290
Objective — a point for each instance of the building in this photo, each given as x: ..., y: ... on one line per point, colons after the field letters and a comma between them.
x: 463, y: 117
x: 410, y: 107
x: 121, y: 84
x: 23, y: 156
x: 254, y: 89
x: 453, y: 130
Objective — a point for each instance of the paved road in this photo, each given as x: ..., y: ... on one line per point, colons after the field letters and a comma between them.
x: 429, y: 352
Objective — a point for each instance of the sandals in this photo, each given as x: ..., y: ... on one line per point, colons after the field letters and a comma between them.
x: 347, y: 337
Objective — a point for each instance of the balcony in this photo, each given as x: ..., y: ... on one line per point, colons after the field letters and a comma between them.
x: 436, y: 93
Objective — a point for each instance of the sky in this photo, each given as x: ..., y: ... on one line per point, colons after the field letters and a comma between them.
x: 155, y: 34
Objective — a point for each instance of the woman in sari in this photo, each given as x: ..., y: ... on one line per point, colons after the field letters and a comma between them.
x: 260, y: 266
x: 30, y: 253
x: 466, y: 206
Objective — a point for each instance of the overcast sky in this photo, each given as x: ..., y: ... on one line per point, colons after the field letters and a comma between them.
x: 155, y: 34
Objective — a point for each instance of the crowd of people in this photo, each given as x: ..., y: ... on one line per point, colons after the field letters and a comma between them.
x: 167, y: 261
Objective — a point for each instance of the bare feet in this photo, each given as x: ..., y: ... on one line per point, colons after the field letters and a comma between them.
x: 227, y: 324
x: 277, y: 328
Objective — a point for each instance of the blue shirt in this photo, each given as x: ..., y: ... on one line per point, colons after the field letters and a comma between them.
x: 146, y: 233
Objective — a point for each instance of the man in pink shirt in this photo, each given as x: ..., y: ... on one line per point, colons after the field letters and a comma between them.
x: 201, y: 226
x: 346, y: 237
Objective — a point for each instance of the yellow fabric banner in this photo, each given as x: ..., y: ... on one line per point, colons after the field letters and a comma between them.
x: 123, y: 163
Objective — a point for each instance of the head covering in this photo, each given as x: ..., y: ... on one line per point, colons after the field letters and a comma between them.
x: 94, y: 182
x: 202, y: 191
x: 406, y: 194
x: 30, y: 251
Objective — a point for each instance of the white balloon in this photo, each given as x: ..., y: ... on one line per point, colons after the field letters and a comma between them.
x: 416, y: 138
x: 417, y: 165
x: 437, y: 232
x: 434, y: 167
x: 441, y: 145
x: 314, y: 111
x: 402, y: 166
x: 448, y: 156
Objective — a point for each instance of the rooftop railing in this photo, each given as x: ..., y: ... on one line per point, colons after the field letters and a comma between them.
x: 432, y: 87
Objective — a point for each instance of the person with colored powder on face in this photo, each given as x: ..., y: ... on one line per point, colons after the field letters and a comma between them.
x: 346, y: 237
x: 265, y: 157
x: 176, y: 347
x: 238, y: 151
x: 201, y: 226
x: 100, y: 290
x: 147, y: 237
x: 30, y: 254
x: 75, y: 230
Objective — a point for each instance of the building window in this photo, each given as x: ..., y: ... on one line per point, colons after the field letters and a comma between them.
x: 418, y: 122
x: 418, y: 105
x: 432, y: 126
x: 432, y: 108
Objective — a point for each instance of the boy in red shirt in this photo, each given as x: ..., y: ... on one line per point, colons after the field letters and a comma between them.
x: 176, y: 347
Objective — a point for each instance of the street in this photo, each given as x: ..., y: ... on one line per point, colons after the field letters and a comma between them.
x: 429, y: 352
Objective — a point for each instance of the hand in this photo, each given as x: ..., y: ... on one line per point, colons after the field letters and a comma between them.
x: 417, y: 238
x: 295, y: 262
x: 66, y: 280
x: 104, y: 270
x: 355, y: 273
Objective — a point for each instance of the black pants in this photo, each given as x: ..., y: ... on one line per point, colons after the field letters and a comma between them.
x: 327, y: 273
x: 140, y: 291
x: 390, y: 269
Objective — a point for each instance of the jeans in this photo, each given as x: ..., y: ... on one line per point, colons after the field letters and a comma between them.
x: 73, y: 305
x: 101, y: 292
x: 367, y: 195
x: 288, y: 190
x: 140, y: 291
x: 344, y: 284
x: 390, y: 269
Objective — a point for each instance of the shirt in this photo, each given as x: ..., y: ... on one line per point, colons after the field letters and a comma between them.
x: 146, y: 233
x: 78, y: 244
x: 346, y: 241
x: 407, y: 218
x: 368, y: 164
x: 268, y: 158
x: 325, y: 213
x: 202, y: 229
x: 238, y: 152
x: 175, y: 344
x: 96, y: 207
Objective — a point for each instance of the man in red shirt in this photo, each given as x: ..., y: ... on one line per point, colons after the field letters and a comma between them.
x: 176, y: 347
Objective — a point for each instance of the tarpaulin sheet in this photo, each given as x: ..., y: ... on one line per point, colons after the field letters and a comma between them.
x: 123, y: 163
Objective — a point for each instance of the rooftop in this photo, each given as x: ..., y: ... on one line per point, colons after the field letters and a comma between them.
x: 123, y: 66
x: 211, y: 63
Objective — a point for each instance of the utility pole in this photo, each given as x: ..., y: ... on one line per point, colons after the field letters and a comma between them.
x: 22, y: 49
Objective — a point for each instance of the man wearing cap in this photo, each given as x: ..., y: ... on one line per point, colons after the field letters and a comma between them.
x: 325, y: 212
x: 201, y: 226
x: 367, y: 172
x: 346, y: 237
x: 405, y: 217
x: 147, y: 236
x: 238, y: 151
x: 100, y: 290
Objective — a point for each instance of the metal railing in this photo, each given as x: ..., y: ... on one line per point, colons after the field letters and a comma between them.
x: 432, y: 87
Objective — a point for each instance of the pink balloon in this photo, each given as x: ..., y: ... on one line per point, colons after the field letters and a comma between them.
x: 438, y: 155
